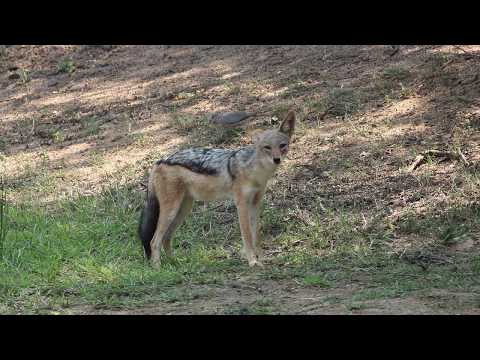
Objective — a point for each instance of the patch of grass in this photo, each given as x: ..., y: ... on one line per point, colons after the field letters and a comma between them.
x: 218, y: 135
x: 352, y: 306
x: 453, y: 233
x: 263, y: 306
x: 449, y: 226
x: 3, y: 215
x: 341, y: 102
x: 24, y: 76
x: 138, y: 139
x: 434, y: 67
x: 96, y: 157
x: 87, y: 249
x: 203, y: 131
x: 315, y: 280
x: 90, y: 126
x: 184, y: 122
x: 437, y: 60
x: 58, y: 136
x: 374, y: 294
x: 232, y: 89
x: 3, y: 145
x: 406, y: 92
x: 294, y: 89
x: 66, y: 66
x: 396, y: 73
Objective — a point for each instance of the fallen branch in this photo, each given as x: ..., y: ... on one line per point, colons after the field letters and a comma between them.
x: 395, y: 50
x: 450, y: 155
x: 460, y: 48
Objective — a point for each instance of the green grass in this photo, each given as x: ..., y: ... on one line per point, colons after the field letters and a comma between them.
x: 3, y: 145
x: 262, y: 306
x: 342, y: 102
x: 315, y: 280
x: 24, y: 76
x: 87, y: 249
x: 90, y: 126
x: 396, y: 73
x: 200, y: 129
x: 66, y: 66
x: 84, y: 251
x: 3, y: 215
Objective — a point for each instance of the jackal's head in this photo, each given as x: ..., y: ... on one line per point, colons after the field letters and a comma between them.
x: 272, y: 145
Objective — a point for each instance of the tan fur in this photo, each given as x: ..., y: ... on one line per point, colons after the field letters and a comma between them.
x: 176, y: 188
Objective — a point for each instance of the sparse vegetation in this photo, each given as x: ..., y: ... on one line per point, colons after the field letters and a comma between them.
x: 58, y: 136
x: 3, y: 216
x: 66, y: 66
x: 396, y: 73
x: 24, y: 76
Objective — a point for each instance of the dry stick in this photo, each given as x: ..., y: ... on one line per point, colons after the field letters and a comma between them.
x: 416, y: 163
x: 395, y: 50
x: 460, y: 48
x: 452, y: 155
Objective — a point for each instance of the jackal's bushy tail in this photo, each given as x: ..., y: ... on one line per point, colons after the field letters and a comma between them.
x: 148, y: 222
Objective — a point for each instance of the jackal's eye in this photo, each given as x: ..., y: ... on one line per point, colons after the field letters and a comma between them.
x: 267, y: 147
x: 283, y: 146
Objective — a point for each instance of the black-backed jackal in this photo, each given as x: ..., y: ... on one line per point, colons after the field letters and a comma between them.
x: 212, y: 174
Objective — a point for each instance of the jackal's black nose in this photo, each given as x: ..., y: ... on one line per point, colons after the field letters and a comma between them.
x: 277, y: 160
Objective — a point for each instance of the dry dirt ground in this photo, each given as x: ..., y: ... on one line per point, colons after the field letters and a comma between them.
x: 95, y: 115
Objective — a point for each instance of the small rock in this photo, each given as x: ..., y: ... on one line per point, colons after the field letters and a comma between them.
x: 230, y: 118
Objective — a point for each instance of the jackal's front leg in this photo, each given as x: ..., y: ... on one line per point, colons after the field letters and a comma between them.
x: 246, y: 211
x: 255, y: 223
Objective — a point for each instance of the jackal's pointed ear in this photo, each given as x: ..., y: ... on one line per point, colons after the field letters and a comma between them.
x: 288, y: 125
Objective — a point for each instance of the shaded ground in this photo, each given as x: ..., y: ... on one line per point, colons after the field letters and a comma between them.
x: 76, y: 120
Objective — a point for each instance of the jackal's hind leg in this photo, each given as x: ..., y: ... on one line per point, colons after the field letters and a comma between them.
x: 184, y: 210
x: 171, y: 199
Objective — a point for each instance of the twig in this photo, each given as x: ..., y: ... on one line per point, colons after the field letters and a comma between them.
x: 5, y: 100
x: 416, y: 163
x: 396, y: 49
x: 464, y: 159
x: 447, y: 63
x: 452, y: 155
x: 460, y: 48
